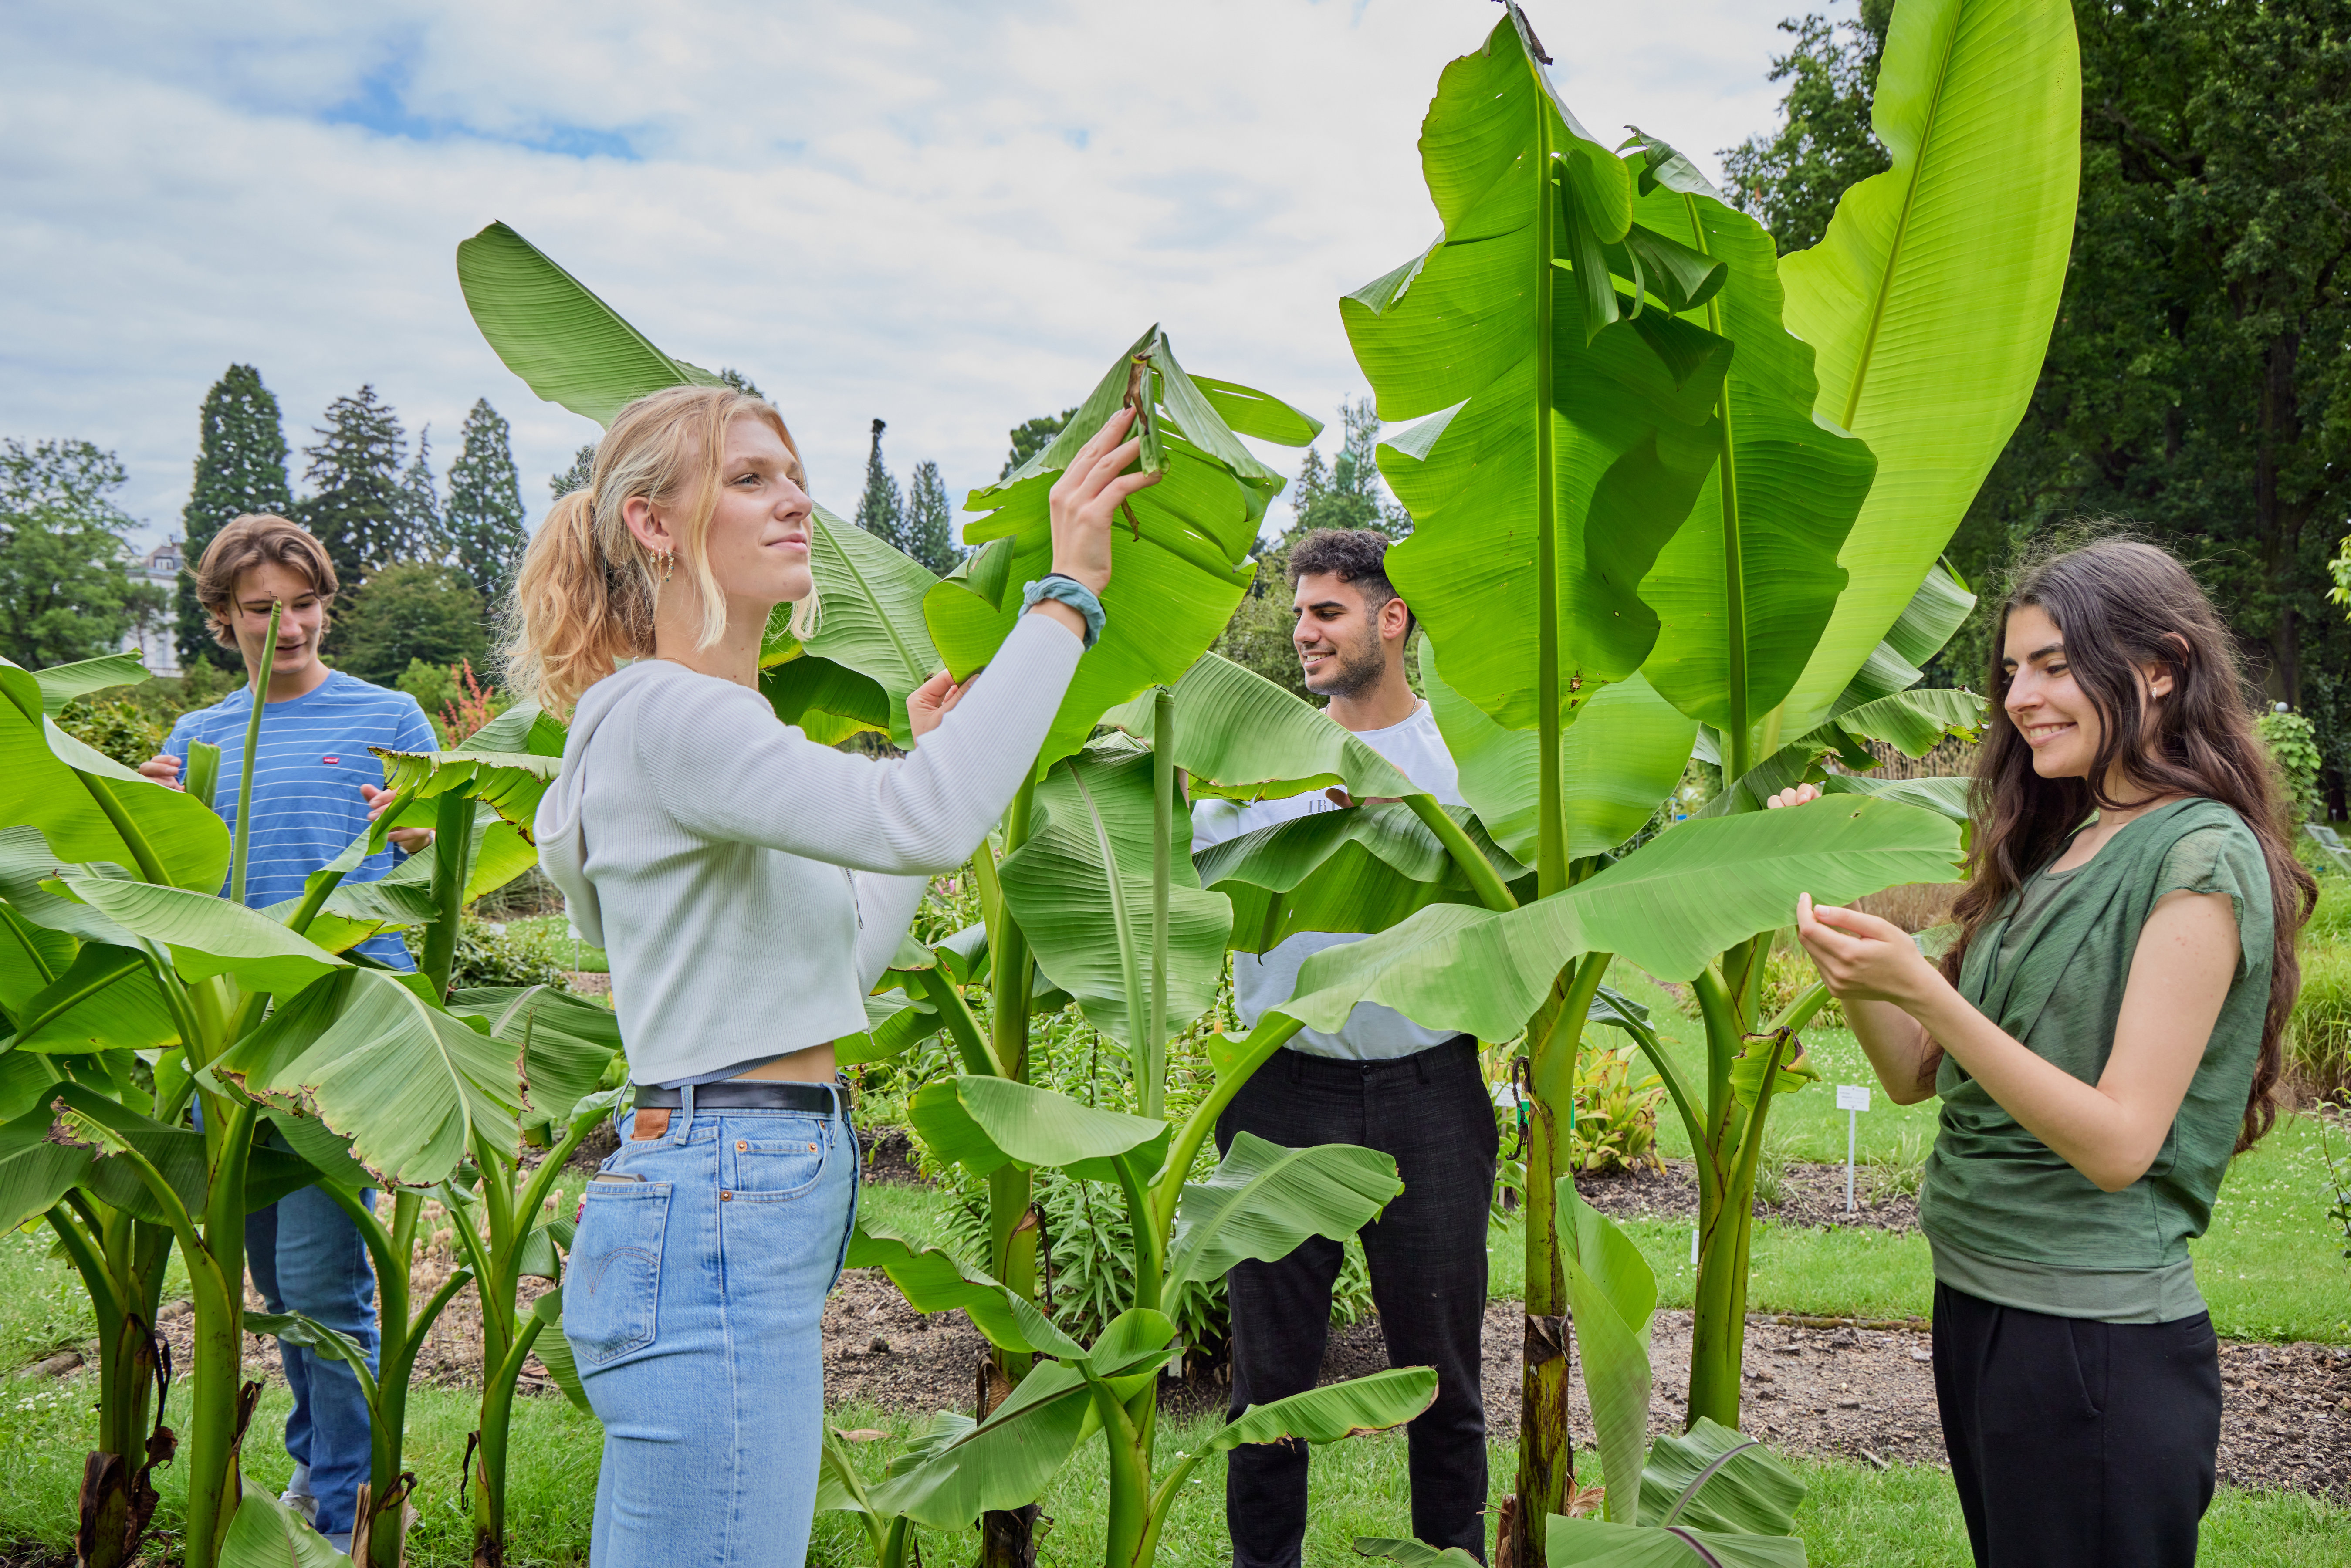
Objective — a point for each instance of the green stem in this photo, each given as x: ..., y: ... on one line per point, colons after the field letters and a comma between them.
x: 241, y: 846
x: 452, y: 846
x: 1270, y: 1036
x: 1150, y: 1086
x: 1722, y: 1037
x: 1007, y: 958
x: 497, y: 1422
x: 1551, y: 852
x: 1490, y: 890
x: 1738, y: 733
x: 1128, y: 1521
x: 1800, y: 1012
x: 963, y: 1025
x: 1719, y: 1314
x: 134, y: 838
x: 1654, y: 1049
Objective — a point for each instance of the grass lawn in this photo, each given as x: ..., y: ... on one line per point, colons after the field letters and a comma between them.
x: 555, y: 930
x: 2270, y: 1268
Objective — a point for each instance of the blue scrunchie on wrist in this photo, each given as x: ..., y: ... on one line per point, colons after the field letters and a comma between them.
x: 1069, y: 591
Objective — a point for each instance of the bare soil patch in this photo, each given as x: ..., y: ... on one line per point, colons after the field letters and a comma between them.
x: 1810, y: 1194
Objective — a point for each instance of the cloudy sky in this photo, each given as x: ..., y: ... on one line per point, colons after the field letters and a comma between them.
x: 948, y: 215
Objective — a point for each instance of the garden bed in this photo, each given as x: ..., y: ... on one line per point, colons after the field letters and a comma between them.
x: 1810, y: 1194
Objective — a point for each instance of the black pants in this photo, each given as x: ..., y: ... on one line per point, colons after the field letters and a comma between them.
x: 1427, y: 1257
x: 2074, y: 1443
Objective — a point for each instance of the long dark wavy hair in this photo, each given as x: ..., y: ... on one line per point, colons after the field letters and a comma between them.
x: 2123, y: 605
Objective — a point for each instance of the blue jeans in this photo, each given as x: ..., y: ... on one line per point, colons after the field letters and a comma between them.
x: 693, y: 1301
x: 305, y: 1257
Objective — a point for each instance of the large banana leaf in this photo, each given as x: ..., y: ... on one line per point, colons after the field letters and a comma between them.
x: 567, y: 1044
x: 407, y: 1082
x: 1178, y: 567
x: 1613, y: 1293
x: 1331, y: 1414
x: 569, y: 346
x: 869, y: 627
x: 105, y: 1000
x: 1670, y: 907
x: 60, y: 684
x: 1080, y: 887
x: 509, y: 783
x: 1746, y: 586
x: 934, y: 1280
x: 31, y: 956
x: 1615, y: 763
x: 1238, y: 736
x: 1929, y: 300
x: 1716, y: 1479
x: 1561, y: 450
x: 829, y: 702
x: 1364, y: 868
x: 266, y: 1533
x: 1597, y: 1543
x: 35, y: 1172
x: 984, y: 1122
x: 205, y: 933
x: 90, y: 807
x: 1005, y: 1461
x: 1934, y: 614
x: 1263, y: 1200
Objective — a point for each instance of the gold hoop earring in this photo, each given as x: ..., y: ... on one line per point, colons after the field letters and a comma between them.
x: 668, y: 560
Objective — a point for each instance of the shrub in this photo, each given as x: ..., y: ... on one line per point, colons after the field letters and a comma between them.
x: 488, y: 954
x: 2293, y: 745
x: 1788, y: 974
x: 1615, y: 1125
x: 120, y: 729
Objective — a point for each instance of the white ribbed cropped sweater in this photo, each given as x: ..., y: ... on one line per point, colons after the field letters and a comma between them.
x: 749, y: 885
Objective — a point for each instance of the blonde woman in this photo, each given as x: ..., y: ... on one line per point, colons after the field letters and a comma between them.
x: 750, y: 886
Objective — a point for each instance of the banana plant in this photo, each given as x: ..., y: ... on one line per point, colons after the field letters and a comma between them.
x: 1180, y: 564
x: 505, y: 1220
x: 146, y: 955
x: 1646, y: 520
x: 1260, y: 1202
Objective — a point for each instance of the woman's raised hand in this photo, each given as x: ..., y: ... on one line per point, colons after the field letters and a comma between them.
x: 1087, y: 497
x: 933, y: 701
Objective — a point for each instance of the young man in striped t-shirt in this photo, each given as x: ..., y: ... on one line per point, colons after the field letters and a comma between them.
x: 314, y: 781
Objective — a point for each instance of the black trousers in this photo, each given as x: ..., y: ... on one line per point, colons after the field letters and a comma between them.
x: 2074, y: 1443
x: 1428, y: 1257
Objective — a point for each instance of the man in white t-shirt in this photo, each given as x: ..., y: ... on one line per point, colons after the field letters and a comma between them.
x: 1381, y: 1081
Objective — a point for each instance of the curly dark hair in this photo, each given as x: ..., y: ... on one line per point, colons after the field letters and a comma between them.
x: 1354, y: 555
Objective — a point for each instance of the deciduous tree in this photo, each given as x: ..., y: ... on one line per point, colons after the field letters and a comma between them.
x: 64, y: 591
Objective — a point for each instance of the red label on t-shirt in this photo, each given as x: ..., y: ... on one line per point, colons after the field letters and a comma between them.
x: 330, y: 761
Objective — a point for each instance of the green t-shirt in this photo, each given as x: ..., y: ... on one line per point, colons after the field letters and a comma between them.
x: 2009, y: 1220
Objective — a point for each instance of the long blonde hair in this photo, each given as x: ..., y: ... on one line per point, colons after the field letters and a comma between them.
x: 585, y: 597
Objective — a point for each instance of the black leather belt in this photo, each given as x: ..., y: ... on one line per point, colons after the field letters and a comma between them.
x: 747, y: 1094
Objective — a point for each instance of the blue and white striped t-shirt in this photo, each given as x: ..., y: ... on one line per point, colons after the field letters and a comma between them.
x: 306, y: 806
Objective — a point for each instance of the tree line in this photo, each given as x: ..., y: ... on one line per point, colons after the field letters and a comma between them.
x: 2198, y: 388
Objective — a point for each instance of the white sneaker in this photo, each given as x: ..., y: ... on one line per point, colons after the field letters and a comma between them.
x: 303, y: 1503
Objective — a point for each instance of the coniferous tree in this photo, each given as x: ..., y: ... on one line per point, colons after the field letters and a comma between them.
x: 357, y: 508
x: 740, y: 382
x: 930, y: 521
x: 423, y: 537
x: 1031, y: 437
x: 1348, y: 493
x: 881, y: 510
x: 576, y: 476
x: 240, y: 469
x: 485, y: 517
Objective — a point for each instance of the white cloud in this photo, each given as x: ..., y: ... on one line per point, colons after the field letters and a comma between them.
x: 948, y: 215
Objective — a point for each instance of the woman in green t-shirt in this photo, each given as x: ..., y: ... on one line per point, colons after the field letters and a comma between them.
x: 2103, y: 1034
